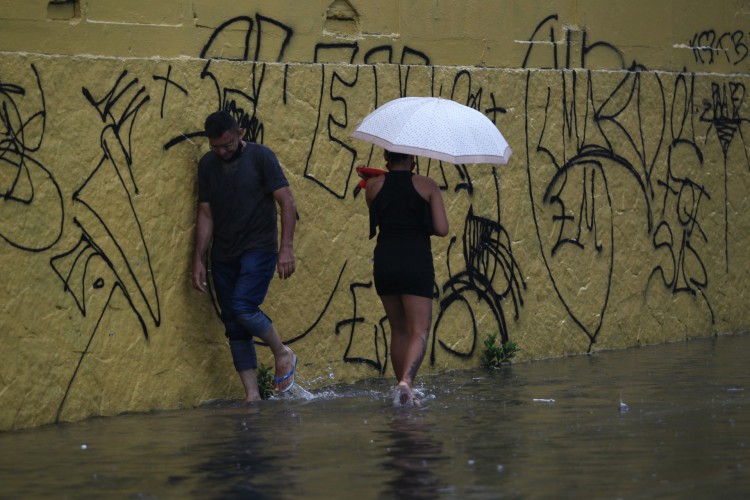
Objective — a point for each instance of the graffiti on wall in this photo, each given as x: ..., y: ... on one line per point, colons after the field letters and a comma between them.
x: 710, y: 47
x: 722, y: 113
x: 554, y: 45
x: 330, y: 139
x: 169, y: 84
x: 598, y: 137
x: 112, y: 253
x: 32, y: 193
x: 491, y: 275
x: 29, y: 188
x: 491, y: 272
x: 646, y: 125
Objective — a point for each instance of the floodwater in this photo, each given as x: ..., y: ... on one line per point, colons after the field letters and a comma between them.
x: 667, y: 421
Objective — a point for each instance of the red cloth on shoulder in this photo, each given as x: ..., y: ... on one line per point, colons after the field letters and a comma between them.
x: 368, y: 173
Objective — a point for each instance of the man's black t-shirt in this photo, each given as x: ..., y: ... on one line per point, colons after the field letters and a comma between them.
x: 240, y: 194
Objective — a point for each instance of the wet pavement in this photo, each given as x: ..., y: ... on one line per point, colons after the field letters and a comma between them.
x: 666, y: 421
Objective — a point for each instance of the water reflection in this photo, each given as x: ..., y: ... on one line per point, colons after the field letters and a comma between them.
x: 242, y: 460
x: 546, y: 429
x: 413, y: 455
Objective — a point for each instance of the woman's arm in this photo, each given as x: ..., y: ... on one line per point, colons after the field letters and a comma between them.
x: 429, y: 190
x: 372, y: 188
x: 439, y: 217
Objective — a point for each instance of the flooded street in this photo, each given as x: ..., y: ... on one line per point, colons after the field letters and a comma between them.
x: 667, y: 421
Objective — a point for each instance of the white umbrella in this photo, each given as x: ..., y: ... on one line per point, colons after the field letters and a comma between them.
x: 436, y: 128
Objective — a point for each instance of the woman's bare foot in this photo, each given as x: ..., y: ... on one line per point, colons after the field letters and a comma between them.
x: 404, y: 396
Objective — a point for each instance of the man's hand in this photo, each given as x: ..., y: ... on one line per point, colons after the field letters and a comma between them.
x: 285, y: 200
x: 285, y: 265
x: 204, y: 226
x: 199, y: 276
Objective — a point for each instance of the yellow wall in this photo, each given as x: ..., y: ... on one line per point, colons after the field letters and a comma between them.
x: 619, y: 221
x: 668, y: 35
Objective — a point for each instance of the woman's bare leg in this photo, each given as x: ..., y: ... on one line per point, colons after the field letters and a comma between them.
x: 418, y: 311
x: 399, y: 333
x: 409, y: 317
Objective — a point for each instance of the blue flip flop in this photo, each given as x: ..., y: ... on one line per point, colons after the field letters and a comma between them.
x: 290, y: 374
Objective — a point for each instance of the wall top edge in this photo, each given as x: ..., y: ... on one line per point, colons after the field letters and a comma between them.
x: 184, y: 58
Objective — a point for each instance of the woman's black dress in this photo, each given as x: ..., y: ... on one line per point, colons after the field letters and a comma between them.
x: 403, y: 255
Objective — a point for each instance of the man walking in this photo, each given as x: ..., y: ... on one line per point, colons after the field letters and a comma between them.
x: 239, y: 185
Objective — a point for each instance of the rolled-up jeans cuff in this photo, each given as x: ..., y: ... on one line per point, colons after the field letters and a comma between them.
x: 243, y: 354
x: 254, y: 323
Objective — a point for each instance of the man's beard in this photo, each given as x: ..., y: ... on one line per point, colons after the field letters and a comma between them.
x: 236, y: 153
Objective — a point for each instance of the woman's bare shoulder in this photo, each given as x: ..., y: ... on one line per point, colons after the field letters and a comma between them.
x: 425, y: 186
x: 424, y: 181
x: 372, y: 187
x: 375, y: 183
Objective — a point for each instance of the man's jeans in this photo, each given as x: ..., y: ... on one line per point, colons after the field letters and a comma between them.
x: 241, y: 287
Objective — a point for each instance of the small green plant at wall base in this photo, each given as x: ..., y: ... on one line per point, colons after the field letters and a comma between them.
x: 265, y: 382
x: 494, y: 353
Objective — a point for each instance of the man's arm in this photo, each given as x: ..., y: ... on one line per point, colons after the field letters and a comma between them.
x: 204, y: 227
x: 288, y: 211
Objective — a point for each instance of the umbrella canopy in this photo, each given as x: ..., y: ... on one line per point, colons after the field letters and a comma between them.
x: 436, y: 128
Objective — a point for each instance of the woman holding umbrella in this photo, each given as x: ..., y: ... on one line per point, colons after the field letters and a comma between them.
x: 408, y: 209
x: 405, y: 210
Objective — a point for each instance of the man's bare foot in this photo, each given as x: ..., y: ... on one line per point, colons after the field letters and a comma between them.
x: 249, y: 380
x: 286, y: 364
